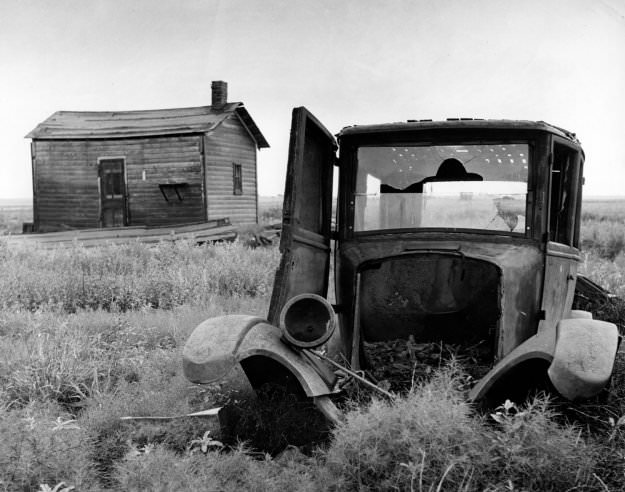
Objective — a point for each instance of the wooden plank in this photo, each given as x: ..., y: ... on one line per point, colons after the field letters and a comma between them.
x: 225, y: 174
x: 229, y: 197
x: 62, y: 159
x: 115, y: 141
x: 202, y: 232
x: 155, y: 165
x: 93, y: 154
x: 120, y: 150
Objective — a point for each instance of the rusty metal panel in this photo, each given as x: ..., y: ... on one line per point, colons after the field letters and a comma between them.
x: 560, y: 278
x: 520, y: 262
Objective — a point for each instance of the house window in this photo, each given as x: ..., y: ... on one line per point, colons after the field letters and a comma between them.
x: 112, y: 178
x: 237, y: 179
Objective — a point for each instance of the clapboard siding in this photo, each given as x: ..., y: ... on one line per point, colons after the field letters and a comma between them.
x: 199, y: 165
x: 228, y: 144
x: 66, y: 180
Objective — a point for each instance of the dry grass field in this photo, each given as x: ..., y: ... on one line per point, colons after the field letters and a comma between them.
x: 89, y: 336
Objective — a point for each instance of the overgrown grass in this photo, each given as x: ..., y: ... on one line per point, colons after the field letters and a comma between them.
x: 433, y: 440
x: 85, y: 340
x: 610, y: 274
x: 49, y: 356
x: 93, y: 368
x: 430, y: 439
x: 603, y: 244
x: 603, y: 228
x: 43, y: 445
x: 131, y: 276
x: 606, y: 238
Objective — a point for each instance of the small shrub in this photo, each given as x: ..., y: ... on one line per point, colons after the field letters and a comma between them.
x: 533, y: 452
x: 432, y: 440
x: 421, y: 440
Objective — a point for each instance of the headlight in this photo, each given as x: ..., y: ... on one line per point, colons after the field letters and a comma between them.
x: 307, y: 320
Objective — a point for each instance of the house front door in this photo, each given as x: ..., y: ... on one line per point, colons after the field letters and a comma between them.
x: 112, y: 193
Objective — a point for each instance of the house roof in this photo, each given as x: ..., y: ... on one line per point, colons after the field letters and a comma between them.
x: 153, y: 122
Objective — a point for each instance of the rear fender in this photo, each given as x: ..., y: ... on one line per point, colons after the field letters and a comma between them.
x: 584, y: 357
x: 579, y: 353
x: 218, y: 345
x: 539, y: 347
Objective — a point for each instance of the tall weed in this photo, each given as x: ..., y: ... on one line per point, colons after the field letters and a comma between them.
x: 67, y: 358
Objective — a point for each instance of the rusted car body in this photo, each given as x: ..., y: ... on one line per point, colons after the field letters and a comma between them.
x: 460, y: 231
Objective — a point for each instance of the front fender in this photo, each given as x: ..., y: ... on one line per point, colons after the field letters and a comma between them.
x: 218, y: 345
x: 210, y: 352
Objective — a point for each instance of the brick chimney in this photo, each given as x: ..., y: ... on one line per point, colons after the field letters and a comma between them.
x: 220, y: 94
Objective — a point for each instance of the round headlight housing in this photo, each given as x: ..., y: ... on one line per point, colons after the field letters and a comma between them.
x: 307, y: 320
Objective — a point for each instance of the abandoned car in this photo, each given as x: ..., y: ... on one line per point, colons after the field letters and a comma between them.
x: 461, y: 231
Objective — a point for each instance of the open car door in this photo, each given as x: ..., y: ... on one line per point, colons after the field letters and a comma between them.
x: 307, y: 213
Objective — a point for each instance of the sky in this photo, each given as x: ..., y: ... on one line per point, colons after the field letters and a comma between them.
x: 348, y: 61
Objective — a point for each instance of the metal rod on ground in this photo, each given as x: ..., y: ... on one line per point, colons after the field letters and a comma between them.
x: 353, y: 374
x: 203, y: 413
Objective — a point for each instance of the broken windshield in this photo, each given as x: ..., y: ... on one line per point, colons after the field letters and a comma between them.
x: 444, y: 186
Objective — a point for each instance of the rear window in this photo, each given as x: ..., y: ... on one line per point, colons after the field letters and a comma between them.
x: 480, y: 187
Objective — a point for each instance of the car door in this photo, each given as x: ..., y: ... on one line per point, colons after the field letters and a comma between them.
x: 306, y: 214
x: 562, y: 253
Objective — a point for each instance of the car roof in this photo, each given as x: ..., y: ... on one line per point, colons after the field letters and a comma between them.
x: 460, y: 124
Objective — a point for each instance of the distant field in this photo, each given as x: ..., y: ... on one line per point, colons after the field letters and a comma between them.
x: 12, y: 216
x: 16, y: 202
x: 604, y: 209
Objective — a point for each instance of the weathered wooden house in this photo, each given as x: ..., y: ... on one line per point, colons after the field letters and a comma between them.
x: 155, y: 167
